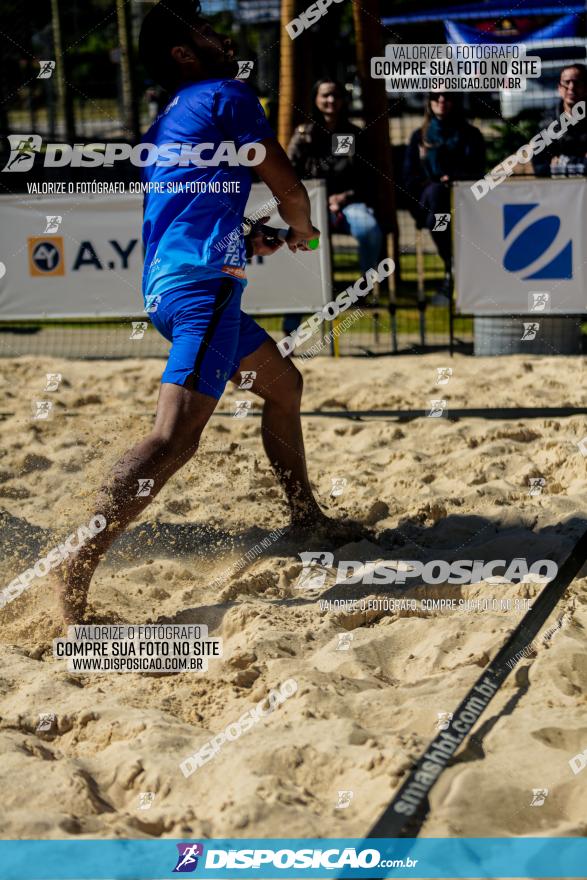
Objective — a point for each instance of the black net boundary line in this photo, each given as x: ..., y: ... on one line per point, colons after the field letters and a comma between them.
x: 413, y: 793
x: 401, y: 415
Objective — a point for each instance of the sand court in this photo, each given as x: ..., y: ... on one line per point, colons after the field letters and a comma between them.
x: 374, y: 680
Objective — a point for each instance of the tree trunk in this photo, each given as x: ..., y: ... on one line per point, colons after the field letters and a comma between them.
x: 285, y: 119
x: 367, y: 19
x: 130, y: 116
x: 64, y: 104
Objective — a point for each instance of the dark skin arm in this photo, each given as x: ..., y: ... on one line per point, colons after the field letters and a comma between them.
x: 264, y: 239
x: 294, y: 205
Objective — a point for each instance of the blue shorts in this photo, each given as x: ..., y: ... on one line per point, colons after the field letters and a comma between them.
x: 209, y: 334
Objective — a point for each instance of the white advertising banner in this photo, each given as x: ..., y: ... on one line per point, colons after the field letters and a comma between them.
x: 289, y: 282
x: 81, y: 257
x: 521, y: 248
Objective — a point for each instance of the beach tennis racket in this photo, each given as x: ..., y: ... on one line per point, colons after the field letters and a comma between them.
x: 273, y: 236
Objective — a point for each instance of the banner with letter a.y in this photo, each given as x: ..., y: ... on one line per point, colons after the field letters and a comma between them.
x: 82, y: 256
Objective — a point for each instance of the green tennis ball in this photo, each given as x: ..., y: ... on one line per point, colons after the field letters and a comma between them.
x: 313, y: 244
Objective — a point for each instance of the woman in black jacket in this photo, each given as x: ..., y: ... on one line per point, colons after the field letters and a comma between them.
x: 445, y: 148
x: 349, y: 173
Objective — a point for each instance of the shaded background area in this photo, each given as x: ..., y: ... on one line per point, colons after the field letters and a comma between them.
x: 100, y: 91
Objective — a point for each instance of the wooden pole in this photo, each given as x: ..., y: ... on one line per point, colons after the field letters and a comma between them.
x: 129, y: 107
x: 369, y: 43
x: 285, y: 119
x: 64, y: 105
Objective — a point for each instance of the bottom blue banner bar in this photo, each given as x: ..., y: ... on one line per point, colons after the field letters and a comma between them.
x: 293, y: 857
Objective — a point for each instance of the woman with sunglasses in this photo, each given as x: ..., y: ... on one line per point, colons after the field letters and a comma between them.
x: 567, y: 155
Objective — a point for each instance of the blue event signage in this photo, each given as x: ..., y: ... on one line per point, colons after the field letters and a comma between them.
x: 495, y: 857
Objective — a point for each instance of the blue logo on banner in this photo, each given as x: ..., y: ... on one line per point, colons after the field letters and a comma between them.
x: 187, y: 860
x: 532, y: 241
x: 46, y: 256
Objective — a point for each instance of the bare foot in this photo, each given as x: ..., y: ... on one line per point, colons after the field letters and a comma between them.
x: 319, y: 527
x: 71, y: 582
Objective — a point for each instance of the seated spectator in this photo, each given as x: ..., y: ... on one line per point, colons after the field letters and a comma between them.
x: 444, y: 149
x: 348, y: 176
x: 567, y: 155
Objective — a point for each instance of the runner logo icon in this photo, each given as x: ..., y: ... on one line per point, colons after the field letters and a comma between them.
x: 539, y: 795
x: 47, y: 68
x: 441, y: 222
x: 343, y: 145
x: 244, y: 69
x: 187, y: 859
x: 23, y: 149
x: 530, y: 331
x: 314, y: 571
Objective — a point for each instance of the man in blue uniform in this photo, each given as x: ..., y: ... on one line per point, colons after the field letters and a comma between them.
x: 192, y: 287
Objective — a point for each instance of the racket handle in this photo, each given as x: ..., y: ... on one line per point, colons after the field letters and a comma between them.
x: 311, y: 243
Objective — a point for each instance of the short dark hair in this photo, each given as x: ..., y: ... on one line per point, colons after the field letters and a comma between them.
x: 324, y: 81
x: 164, y: 27
x: 580, y: 67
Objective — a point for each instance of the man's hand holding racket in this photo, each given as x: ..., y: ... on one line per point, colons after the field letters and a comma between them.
x: 266, y: 240
x: 302, y: 239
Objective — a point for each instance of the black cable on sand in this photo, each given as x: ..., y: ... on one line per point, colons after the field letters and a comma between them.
x: 410, y: 802
x: 401, y: 415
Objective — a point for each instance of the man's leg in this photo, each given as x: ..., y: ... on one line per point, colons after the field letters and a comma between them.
x: 280, y: 385
x: 181, y: 417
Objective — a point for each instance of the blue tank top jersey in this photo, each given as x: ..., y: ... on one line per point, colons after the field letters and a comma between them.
x: 190, y: 227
